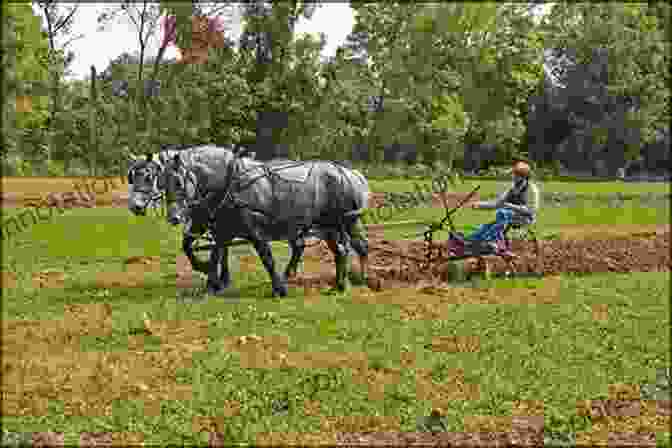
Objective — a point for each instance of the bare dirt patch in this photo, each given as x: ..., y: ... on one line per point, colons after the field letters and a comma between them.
x: 64, y: 192
x: 94, y: 439
x: 143, y: 263
x: 48, y: 439
x: 624, y: 419
x: 127, y: 279
x: 8, y: 279
x: 49, y: 279
x: 273, y: 352
x: 64, y: 200
x: 455, y: 344
x: 601, y: 312
x: 42, y: 362
x: 186, y: 278
x: 442, y: 394
x: 216, y: 423
x: 396, y: 263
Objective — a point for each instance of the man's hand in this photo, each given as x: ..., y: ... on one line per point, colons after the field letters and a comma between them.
x: 474, y: 205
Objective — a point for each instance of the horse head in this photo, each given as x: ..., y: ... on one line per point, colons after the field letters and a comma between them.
x: 181, y: 190
x: 144, y: 180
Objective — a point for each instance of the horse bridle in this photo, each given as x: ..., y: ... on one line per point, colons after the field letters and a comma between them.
x: 186, y: 175
x: 155, y: 194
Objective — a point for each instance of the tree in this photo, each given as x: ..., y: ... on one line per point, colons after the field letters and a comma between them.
x: 57, y: 21
x: 487, y: 59
x: 634, y: 38
x: 25, y: 51
x: 145, y: 17
x: 448, y: 72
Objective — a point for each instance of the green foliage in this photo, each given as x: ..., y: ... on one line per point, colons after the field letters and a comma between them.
x: 636, y: 39
x: 24, y: 52
x: 446, y: 75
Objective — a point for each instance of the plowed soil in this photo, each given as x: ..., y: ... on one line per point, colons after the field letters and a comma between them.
x: 400, y: 261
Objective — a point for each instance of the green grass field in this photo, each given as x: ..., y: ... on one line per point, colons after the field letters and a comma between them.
x: 493, y: 187
x: 551, y: 220
x: 472, y: 350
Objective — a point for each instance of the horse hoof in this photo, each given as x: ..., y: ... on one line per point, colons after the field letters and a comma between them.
x: 280, y: 291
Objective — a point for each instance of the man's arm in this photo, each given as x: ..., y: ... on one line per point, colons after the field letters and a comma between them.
x: 488, y: 205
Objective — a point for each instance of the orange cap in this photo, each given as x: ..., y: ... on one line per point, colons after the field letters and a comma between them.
x: 521, y: 168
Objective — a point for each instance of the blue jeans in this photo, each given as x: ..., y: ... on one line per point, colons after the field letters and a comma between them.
x: 493, y: 231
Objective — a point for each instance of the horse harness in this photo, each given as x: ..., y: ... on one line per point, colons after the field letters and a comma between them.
x: 230, y: 199
x: 155, y: 194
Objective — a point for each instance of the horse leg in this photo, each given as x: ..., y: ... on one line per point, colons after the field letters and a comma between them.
x: 263, y: 249
x: 360, y: 244
x: 340, y: 252
x: 196, y: 264
x: 297, y: 246
x: 224, y: 273
x: 214, y: 275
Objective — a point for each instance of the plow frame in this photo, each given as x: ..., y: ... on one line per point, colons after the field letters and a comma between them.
x: 512, y: 233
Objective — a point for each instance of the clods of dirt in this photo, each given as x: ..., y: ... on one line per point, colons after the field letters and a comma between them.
x: 394, y: 262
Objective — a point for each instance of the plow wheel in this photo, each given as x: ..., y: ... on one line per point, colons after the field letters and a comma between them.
x: 479, y: 265
x: 521, y: 240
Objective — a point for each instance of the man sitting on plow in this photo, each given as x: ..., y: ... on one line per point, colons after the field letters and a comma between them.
x: 516, y: 206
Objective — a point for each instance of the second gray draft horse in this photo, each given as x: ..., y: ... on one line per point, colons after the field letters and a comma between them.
x: 263, y: 202
x: 146, y: 189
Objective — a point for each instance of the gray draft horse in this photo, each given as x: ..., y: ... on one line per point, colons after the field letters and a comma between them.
x: 263, y: 202
x: 145, y: 189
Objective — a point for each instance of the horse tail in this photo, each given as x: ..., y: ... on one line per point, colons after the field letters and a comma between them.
x: 357, y: 188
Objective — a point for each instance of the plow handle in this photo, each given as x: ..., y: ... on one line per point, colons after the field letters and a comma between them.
x: 438, y: 226
x: 462, y: 202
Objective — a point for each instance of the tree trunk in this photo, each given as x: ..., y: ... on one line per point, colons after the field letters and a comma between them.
x: 92, y: 122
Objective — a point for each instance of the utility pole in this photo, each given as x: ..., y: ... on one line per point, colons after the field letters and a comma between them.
x: 92, y: 122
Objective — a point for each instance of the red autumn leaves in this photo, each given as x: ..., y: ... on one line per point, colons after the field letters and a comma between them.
x: 206, y: 32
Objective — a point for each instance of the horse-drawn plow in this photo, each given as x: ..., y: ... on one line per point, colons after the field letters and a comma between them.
x: 399, y: 262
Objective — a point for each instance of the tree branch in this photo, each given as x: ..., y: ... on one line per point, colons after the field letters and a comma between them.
x: 60, y: 24
x: 68, y: 42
